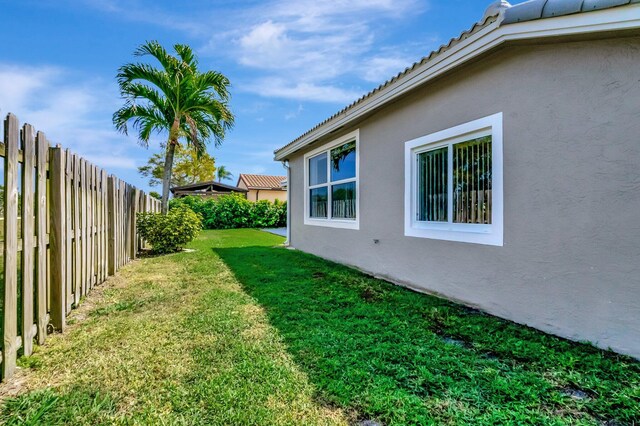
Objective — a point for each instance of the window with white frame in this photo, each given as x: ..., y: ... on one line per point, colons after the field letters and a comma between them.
x: 331, y: 184
x: 453, y: 183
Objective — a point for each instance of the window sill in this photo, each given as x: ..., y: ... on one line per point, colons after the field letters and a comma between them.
x: 333, y: 223
x: 465, y: 233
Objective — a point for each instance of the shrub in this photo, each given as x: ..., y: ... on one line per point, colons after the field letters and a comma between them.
x: 264, y: 214
x: 204, y: 207
x: 171, y: 232
x: 230, y: 211
x: 235, y: 211
x: 193, y: 202
x: 281, y: 210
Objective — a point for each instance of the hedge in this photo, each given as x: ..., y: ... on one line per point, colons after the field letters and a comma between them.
x: 235, y: 211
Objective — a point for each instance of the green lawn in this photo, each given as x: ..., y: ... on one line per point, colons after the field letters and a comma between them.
x: 243, y: 332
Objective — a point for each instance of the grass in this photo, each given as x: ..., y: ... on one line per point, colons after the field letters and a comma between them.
x: 242, y: 332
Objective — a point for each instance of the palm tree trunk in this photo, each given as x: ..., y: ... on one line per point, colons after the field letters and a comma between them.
x: 166, y: 176
x: 168, y: 165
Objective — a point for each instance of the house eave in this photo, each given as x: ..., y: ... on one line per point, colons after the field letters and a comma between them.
x: 475, y: 44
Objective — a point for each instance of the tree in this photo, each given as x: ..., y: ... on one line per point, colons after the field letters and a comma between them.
x: 176, y: 99
x: 187, y: 167
x: 223, y: 174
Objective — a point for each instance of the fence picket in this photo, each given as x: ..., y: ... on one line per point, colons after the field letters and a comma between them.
x: 83, y: 229
x: 42, y: 272
x: 28, y: 199
x: 77, y: 244
x: 10, y: 306
x: 57, y: 239
x: 89, y: 212
x: 68, y: 230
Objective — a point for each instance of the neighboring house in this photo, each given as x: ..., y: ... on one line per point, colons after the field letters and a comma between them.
x: 501, y: 171
x: 263, y: 187
x: 209, y: 189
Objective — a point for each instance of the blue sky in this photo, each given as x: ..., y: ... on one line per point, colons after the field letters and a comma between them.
x: 292, y: 63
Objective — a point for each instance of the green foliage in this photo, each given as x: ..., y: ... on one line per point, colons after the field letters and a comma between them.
x: 189, y: 166
x: 171, y: 232
x: 230, y: 211
x: 155, y: 195
x: 223, y: 174
x: 263, y: 214
x: 235, y: 211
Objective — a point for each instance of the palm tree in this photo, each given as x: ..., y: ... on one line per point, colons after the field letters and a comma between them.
x: 175, y: 98
x: 223, y: 173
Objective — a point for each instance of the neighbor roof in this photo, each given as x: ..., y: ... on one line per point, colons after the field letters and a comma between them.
x: 261, y: 181
x: 500, y: 15
x: 207, y: 186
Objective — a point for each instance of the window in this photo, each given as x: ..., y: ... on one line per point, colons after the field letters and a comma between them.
x: 331, y: 184
x: 453, y: 183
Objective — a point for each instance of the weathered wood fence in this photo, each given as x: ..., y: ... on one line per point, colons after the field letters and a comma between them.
x: 67, y: 227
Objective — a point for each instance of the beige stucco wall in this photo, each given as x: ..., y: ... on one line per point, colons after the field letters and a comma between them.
x: 266, y: 194
x: 570, y: 264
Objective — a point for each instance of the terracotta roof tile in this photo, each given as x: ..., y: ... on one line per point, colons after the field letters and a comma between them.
x: 261, y: 181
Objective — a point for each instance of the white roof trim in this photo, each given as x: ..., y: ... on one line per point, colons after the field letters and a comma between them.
x: 487, y: 38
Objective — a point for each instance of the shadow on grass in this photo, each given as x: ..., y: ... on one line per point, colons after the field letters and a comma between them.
x: 407, y: 358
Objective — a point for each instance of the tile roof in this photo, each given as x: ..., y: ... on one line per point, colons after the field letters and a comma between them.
x: 261, y: 181
x: 500, y: 11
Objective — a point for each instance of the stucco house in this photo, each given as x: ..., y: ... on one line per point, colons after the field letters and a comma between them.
x: 209, y: 189
x: 263, y: 187
x: 501, y: 171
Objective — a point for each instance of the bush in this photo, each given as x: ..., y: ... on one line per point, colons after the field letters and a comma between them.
x: 230, y: 211
x: 281, y: 210
x: 235, y: 211
x: 264, y: 214
x: 171, y: 232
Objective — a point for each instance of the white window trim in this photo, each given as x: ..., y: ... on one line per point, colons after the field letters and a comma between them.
x: 463, y: 232
x: 330, y: 222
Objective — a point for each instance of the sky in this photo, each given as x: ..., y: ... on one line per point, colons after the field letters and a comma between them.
x: 291, y: 63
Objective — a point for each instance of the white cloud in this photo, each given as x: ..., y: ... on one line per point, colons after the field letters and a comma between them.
x: 302, y: 47
x: 379, y: 69
x: 301, y: 91
x: 140, y: 11
x: 72, y: 110
x: 293, y: 114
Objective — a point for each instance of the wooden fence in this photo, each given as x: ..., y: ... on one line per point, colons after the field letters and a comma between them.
x: 67, y: 227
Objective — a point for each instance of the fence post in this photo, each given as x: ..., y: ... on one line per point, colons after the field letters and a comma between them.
x: 57, y: 238
x: 10, y: 342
